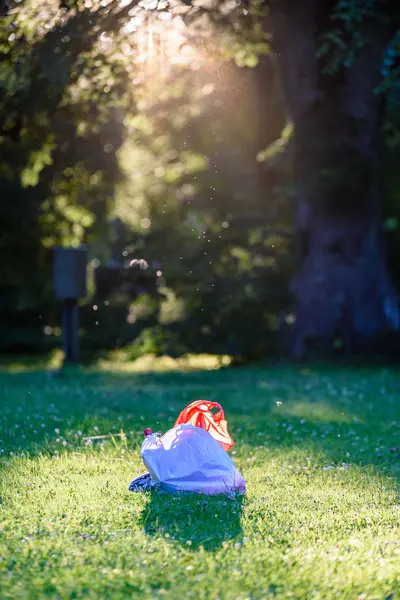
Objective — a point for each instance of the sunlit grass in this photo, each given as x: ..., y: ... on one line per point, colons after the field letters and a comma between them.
x: 148, y: 362
x: 320, y: 518
x: 14, y: 364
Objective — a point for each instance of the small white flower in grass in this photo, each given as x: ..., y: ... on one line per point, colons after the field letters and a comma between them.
x: 64, y: 443
x: 95, y: 428
x: 57, y: 430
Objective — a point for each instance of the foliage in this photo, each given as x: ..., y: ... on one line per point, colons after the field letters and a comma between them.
x: 61, y: 103
x: 319, y: 518
x: 127, y: 111
x: 198, y: 204
x: 64, y: 144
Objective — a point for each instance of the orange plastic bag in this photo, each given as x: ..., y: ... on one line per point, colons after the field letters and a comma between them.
x: 199, y: 414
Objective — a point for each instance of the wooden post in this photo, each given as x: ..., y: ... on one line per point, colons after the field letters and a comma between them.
x: 69, y: 286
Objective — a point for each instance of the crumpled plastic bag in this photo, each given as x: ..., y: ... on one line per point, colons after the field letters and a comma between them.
x: 189, y: 459
x: 199, y: 414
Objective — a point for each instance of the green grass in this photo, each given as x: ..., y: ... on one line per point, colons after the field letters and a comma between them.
x: 320, y: 518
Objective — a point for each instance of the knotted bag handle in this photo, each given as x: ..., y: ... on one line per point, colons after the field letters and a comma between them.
x: 198, y: 413
x: 205, y: 406
x: 219, y: 416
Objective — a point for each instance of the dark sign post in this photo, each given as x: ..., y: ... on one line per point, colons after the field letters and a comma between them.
x: 69, y: 286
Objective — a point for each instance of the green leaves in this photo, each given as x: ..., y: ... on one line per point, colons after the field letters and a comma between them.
x: 38, y: 160
x: 351, y: 12
x: 352, y: 24
x: 279, y: 146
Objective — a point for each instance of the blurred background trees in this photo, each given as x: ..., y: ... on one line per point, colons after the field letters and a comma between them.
x: 162, y: 135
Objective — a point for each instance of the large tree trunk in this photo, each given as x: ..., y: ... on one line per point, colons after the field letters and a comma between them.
x: 342, y: 288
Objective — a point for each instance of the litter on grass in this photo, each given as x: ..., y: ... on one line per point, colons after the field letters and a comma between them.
x: 199, y: 414
x: 192, y: 456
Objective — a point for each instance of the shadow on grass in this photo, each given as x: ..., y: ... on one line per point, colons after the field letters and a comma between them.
x: 196, y: 521
x: 276, y: 409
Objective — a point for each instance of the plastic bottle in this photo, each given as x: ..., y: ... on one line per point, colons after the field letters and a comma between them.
x: 151, y: 442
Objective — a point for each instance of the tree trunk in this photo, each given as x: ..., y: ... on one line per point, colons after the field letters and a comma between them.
x: 342, y: 288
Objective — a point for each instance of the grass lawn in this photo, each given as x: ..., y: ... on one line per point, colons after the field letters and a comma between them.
x: 320, y: 518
